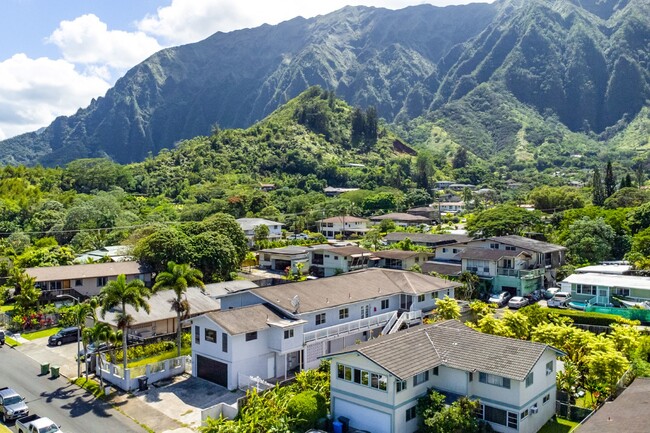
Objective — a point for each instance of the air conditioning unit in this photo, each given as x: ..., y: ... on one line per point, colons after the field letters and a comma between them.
x: 534, y: 409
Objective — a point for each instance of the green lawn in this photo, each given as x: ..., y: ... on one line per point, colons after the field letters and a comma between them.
x: 560, y: 425
x: 587, y: 401
x: 5, y: 308
x: 90, y: 385
x: 40, y: 334
x: 160, y: 357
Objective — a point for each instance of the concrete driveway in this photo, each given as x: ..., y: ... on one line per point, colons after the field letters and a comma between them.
x: 63, y: 356
x: 185, y: 398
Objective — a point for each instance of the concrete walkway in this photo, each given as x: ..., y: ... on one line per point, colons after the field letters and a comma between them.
x: 175, y: 407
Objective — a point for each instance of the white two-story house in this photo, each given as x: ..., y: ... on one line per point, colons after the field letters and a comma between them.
x: 344, y: 226
x: 327, y: 260
x: 270, y: 332
x: 248, y: 225
x: 377, y: 384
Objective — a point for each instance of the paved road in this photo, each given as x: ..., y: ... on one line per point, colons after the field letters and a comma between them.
x: 67, y: 405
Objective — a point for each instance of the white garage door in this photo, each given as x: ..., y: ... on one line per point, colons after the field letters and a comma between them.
x: 362, y: 418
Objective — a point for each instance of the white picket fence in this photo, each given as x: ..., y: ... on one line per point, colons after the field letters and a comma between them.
x: 128, y: 380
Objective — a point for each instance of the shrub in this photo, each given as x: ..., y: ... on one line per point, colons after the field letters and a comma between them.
x: 588, y: 318
x: 306, y: 408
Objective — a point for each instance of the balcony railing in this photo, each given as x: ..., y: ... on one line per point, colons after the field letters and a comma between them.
x: 520, y: 273
x: 349, y: 327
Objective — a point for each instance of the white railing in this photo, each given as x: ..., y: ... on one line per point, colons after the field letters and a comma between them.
x: 347, y: 328
x: 128, y: 380
x: 398, y: 324
x: 245, y: 382
x: 408, y: 317
x: 390, y: 323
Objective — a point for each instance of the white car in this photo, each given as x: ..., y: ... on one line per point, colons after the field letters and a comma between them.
x: 559, y: 300
x: 550, y: 292
x: 517, y: 302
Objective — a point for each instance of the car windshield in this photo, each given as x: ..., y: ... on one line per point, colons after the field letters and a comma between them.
x: 14, y: 399
x: 49, y: 429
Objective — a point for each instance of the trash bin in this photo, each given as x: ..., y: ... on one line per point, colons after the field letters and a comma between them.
x: 337, y: 427
x: 45, y: 368
x: 346, y: 423
x: 142, y: 383
x: 54, y: 371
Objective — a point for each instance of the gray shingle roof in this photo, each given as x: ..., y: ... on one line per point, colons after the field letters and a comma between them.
x: 400, y: 217
x: 427, y: 238
x: 243, y: 320
x: 452, y: 344
x: 441, y: 268
x: 78, y: 272
x: 528, y: 244
x: 349, y: 288
x: 487, y: 254
x: 396, y: 254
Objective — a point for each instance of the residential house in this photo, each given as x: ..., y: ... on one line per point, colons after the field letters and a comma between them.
x: 461, y: 186
x: 443, y: 184
x: 248, y: 225
x: 613, y: 268
x: 267, y: 187
x: 599, y: 288
x: 116, y: 253
x: 451, y: 206
x: 344, y: 226
x: 516, y: 264
x: 401, y: 219
x: 429, y: 212
x: 398, y: 259
x: 84, y: 280
x: 425, y: 239
x: 377, y: 384
x: 442, y: 268
x: 327, y: 260
x: 281, y: 259
x: 225, y: 288
x: 332, y: 191
x: 161, y: 319
x: 272, y: 331
x: 627, y: 413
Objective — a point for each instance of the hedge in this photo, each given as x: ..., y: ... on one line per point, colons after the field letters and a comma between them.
x: 586, y: 318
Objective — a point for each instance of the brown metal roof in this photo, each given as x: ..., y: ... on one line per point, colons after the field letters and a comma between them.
x: 357, y: 286
x: 243, y: 320
x: 78, y: 272
x: 452, y: 344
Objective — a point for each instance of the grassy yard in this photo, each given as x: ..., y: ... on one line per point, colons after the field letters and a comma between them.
x: 90, y: 385
x: 160, y: 357
x: 560, y: 425
x: 586, y: 401
x: 11, y: 342
x: 40, y: 334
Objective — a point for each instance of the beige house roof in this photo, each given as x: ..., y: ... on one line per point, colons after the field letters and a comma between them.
x: 78, y: 272
x: 343, y: 219
x: 246, y: 319
x: 351, y: 287
x: 160, y: 307
x: 452, y: 344
x: 401, y: 217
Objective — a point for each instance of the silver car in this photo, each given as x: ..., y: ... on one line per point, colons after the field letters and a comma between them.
x: 559, y: 300
x: 517, y: 302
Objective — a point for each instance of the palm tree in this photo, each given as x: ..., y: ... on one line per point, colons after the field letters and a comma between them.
x: 80, y: 313
x: 178, y: 278
x: 98, y: 334
x: 120, y: 293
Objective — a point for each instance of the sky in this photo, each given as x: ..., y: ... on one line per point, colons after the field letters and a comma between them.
x: 56, y: 55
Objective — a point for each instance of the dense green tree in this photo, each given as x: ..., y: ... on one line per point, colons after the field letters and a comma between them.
x: 639, y: 218
x: 598, y: 191
x: 417, y: 197
x: 120, y: 293
x: 589, y: 240
x: 87, y: 175
x: 554, y: 199
x: 641, y: 243
x: 627, y: 197
x: 503, y: 220
x: 214, y: 255
x: 81, y: 313
x: 447, y: 309
x: 460, y: 159
x: 164, y: 245
x: 437, y: 417
x: 262, y: 232
x: 425, y: 167
x: 610, y: 180
x: 177, y: 278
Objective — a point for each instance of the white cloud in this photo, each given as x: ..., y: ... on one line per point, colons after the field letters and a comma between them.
x: 87, y: 40
x: 185, y: 21
x: 34, y: 91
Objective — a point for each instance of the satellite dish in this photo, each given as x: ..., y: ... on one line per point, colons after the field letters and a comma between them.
x: 295, y: 302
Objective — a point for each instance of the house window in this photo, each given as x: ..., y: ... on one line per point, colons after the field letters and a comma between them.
x: 224, y: 343
x: 549, y: 368
x: 471, y: 376
x: 378, y: 381
x: 620, y: 291
x: 210, y: 335
x: 435, y: 371
x: 524, y: 414
x: 420, y: 378
x: 546, y: 398
x: 197, y: 334
x: 327, y: 256
x: 267, y: 257
x: 454, y: 250
x: 493, y: 379
x: 411, y: 413
x: 400, y: 385
x: 361, y: 377
x: 512, y: 420
x: 510, y: 248
x: 494, y: 246
x: 585, y: 289
x: 444, y: 250
x: 320, y: 318
x: 344, y: 313
x: 420, y: 298
x: 102, y: 281
x: 529, y: 379
x: 288, y: 333
x: 384, y: 304
x: 78, y: 283
x: 251, y: 336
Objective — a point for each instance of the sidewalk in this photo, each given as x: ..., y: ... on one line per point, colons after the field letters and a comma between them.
x: 135, y: 407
